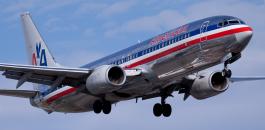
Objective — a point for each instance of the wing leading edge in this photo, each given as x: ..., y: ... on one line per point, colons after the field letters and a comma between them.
x: 52, y: 76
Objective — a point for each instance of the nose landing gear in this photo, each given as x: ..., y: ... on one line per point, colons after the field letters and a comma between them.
x: 227, y: 72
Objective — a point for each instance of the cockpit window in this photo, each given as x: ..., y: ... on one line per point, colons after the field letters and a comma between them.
x: 225, y: 23
x: 233, y: 21
x: 242, y: 22
x: 230, y: 22
x: 220, y: 24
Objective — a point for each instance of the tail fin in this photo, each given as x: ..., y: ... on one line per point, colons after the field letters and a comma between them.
x: 37, y: 50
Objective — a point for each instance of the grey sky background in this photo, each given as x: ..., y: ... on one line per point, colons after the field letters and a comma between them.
x: 80, y: 31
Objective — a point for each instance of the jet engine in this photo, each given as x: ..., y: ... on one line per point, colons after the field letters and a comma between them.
x: 106, y: 78
x: 209, y: 84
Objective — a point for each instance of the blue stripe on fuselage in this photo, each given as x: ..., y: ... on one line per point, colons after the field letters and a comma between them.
x: 138, y: 49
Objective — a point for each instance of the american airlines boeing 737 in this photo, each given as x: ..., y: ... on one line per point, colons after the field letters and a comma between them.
x: 158, y: 67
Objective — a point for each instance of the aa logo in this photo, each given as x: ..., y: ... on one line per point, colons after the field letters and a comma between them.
x: 39, y: 58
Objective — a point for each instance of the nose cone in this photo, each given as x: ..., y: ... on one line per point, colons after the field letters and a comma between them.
x: 243, y: 38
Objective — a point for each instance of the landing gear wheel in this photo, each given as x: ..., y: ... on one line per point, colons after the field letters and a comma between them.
x: 97, y: 106
x: 164, y: 109
x: 106, y: 107
x: 167, y: 110
x: 157, y: 110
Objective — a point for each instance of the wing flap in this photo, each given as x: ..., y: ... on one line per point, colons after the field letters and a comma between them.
x: 18, y: 93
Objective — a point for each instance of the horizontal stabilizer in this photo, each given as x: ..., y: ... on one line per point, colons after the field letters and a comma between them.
x: 18, y: 93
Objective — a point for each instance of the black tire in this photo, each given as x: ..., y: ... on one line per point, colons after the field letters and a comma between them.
x: 167, y: 110
x: 106, y: 107
x: 97, y: 106
x: 157, y: 110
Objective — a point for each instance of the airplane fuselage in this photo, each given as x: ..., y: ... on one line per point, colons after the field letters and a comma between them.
x: 169, y: 56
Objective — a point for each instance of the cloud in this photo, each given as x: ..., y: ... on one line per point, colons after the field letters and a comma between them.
x: 103, y: 10
x: 90, y: 8
x: 89, y: 32
x: 12, y: 9
x: 164, y: 20
x: 55, y: 5
x: 118, y: 8
x: 55, y: 24
x: 79, y: 58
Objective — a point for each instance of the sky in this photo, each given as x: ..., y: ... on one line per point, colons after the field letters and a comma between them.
x: 80, y: 31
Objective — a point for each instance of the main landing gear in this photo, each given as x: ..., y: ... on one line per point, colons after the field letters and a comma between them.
x: 104, y: 106
x: 162, y: 108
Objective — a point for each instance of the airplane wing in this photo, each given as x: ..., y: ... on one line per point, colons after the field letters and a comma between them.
x: 241, y: 79
x: 52, y: 76
x: 18, y: 93
x: 184, y: 86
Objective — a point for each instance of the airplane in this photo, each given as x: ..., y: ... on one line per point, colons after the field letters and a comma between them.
x: 173, y: 61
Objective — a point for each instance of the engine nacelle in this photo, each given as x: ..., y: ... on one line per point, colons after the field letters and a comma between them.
x: 209, y: 84
x: 106, y: 78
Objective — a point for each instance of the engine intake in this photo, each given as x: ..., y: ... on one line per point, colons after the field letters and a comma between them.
x: 106, y: 78
x: 208, y: 85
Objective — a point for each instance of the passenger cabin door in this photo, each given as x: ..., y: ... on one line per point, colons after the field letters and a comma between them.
x: 203, y: 37
x: 203, y: 40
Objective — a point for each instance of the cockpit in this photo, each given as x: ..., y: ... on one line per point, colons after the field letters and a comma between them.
x: 225, y: 22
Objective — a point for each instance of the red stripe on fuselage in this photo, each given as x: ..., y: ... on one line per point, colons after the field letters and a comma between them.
x: 61, y: 94
x: 162, y: 54
x: 190, y: 43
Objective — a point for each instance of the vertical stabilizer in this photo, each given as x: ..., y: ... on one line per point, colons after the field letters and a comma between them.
x: 37, y: 51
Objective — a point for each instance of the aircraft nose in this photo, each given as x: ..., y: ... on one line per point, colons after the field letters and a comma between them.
x: 244, y: 37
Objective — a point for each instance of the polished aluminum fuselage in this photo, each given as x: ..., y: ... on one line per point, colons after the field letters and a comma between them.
x: 164, y: 71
